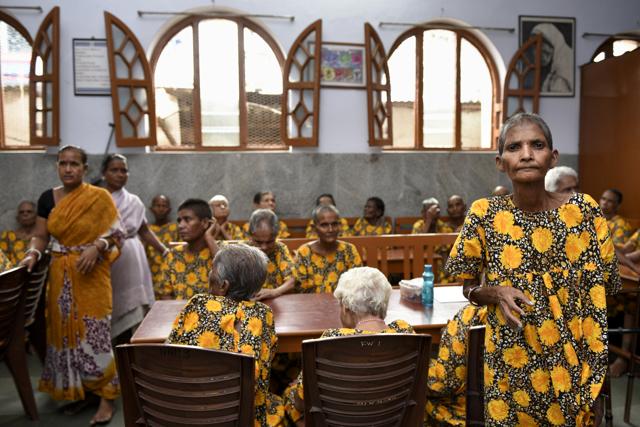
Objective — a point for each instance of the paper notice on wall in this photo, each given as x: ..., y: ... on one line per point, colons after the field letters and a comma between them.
x: 91, y: 67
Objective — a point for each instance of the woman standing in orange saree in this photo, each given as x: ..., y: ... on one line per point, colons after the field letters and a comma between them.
x: 81, y: 223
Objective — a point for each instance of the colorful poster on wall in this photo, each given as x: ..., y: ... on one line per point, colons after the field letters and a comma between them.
x: 342, y: 65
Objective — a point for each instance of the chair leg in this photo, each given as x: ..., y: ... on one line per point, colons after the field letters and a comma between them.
x: 629, y: 397
x: 608, y: 413
x: 16, y: 360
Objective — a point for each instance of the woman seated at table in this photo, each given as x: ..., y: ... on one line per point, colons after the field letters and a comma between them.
x: 324, y: 200
x: 363, y: 294
x: 446, y: 398
x: 372, y: 222
x: 263, y: 232
x: 430, y: 222
x: 267, y: 200
x: 320, y: 263
x: 227, y: 319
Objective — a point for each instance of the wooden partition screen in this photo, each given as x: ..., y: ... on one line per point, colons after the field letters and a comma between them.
x: 610, y: 129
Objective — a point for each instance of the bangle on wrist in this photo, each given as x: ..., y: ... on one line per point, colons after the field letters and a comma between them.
x: 35, y: 251
x: 470, y: 293
x: 106, y: 243
x: 165, y: 252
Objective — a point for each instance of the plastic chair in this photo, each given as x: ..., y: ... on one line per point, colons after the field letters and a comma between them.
x: 365, y: 380
x: 166, y: 384
x: 12, y: 350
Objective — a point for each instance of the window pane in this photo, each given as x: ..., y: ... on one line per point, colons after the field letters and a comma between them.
x: 263, y: 86
x: 402, y: 69
x: 218, y: 51
x: 439, y: 88
x: 621, y: 47
x: 174, y: 91
x: 475, y: 98
x: 15, y: 58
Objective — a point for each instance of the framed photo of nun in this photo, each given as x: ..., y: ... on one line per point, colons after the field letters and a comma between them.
x: 558, y: 58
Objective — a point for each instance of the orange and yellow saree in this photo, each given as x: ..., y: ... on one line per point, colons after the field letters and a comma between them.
x: 78, y: 306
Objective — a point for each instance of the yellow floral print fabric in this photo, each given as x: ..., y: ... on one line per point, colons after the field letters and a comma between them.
x: 5, y: 262
x: 550, y: 371
x: 185, y: 274
x: 13, y: 247
x: 317, y: 273
x: 419, y: 224
x: 635, y: 239
x: 620, y: 230
x: 363, y: 228
x: 166, y: 233
x: 279, y: 267
x: 238, y: 326
x: 283, y: 232
x: 296, y: 389
x: 234, y: 231
x: 446, y: 404
x: 344, y: 229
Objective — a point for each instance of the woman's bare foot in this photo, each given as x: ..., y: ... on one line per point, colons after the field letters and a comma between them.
x: 104, y: 413
x: 618, y: 367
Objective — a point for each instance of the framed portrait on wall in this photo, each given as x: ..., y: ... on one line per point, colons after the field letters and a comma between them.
x: 558, y: 58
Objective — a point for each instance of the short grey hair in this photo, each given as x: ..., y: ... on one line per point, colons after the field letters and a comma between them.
x: 219, y: 198
x: 321, y: 209
x: 430, y: 202
x: 518, y: 120
x: 264, y: 216
x: 244, y: 267
x: 555, y: 174
x: 364, y: 290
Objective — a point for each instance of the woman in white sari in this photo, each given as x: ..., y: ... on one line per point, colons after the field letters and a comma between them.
x: 130, y: 274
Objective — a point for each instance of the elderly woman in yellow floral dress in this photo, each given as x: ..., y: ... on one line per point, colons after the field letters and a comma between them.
x: 363, y: 293
x: 263, y: 232
x: 548, y: 260
x: 323, y: 200
x: 167, y: 232
x: 228, y: 320
x: 320, y: 263
x: 266, y: 200
x: 15, y: 243
x: 372, y: 222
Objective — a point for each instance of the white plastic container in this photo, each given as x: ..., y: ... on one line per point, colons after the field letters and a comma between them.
x: 411, y: 290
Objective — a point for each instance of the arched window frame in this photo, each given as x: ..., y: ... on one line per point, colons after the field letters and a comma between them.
x: 193, y: 21
x: 496, y: 105
x: 606, y: 46
x: 10, y: 20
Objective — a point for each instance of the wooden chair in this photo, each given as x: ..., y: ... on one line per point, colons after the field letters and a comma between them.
x: 634, y: 222
x: 475, y: 377
x: 34, y: 307
x: 12, y: 349
x: 183, y: 385
x: 404, y: 224
x: 365, y: 380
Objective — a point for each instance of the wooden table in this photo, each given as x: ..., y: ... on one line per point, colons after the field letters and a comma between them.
x: 305, y: 316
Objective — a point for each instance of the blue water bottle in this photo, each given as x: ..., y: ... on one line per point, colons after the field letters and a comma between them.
x: 427, y: 286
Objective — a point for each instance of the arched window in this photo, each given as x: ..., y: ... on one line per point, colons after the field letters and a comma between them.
x: 614, y: 46
x: 444, y: 90
x: 218, y: 85
x: 15, y: 59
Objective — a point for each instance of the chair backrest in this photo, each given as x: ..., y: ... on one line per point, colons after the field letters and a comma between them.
x: 297, y: 226
x: 365, y: 380
x: 475, y: 377
x: 12, y: 295
x: 35, y: 284
x: 404, y: 224
x: 183, y: 385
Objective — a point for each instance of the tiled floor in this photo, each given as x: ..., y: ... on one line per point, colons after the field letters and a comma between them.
x: 11, y: 413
